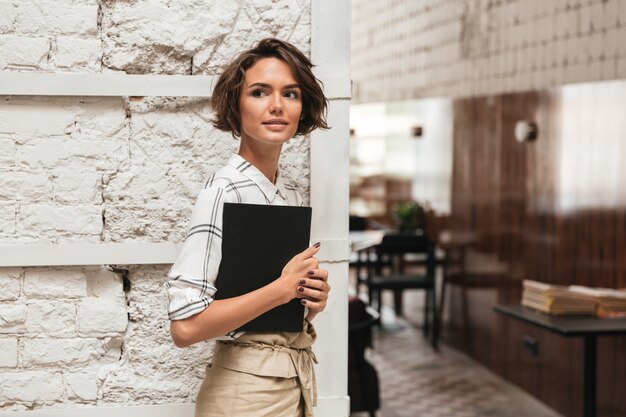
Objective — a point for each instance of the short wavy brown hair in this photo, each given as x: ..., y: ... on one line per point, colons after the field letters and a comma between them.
x: 225, y: 97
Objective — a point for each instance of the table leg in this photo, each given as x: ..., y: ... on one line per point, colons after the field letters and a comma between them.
x: 589, y: 375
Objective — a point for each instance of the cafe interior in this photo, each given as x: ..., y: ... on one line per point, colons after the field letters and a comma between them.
x: 488, y: 209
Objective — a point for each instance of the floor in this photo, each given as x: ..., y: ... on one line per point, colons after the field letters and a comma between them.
x: 416, y: 381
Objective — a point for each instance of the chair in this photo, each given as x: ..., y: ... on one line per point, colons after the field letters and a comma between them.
x: 363, y: 386
x: 398, y: 250
x: 470, y: 269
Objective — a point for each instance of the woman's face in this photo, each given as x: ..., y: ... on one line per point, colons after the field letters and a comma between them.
x: 270, y: 103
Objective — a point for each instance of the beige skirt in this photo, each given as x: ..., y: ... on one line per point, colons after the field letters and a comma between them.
x: 261, y: 375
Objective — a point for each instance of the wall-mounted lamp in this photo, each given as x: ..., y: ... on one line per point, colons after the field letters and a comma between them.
x: 416, y: 131
x: 526, y: 130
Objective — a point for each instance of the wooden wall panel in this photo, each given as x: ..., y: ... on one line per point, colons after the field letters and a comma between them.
x: 553, y: 210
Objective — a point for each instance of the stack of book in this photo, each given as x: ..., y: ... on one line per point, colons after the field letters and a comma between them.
x: 556, y: 299
x: 609, y: 302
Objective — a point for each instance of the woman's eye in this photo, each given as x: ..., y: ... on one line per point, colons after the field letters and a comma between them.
x: 291, y: 94
x: 258, y: 93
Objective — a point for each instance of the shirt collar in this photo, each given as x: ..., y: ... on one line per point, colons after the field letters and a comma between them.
x: 252, y: 173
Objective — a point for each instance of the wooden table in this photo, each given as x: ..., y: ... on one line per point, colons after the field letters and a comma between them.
x: 360, y: 244
x: 365, y: 239
x: 587, y: 327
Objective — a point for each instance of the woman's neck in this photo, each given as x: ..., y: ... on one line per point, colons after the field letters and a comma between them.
x: 265, y: 159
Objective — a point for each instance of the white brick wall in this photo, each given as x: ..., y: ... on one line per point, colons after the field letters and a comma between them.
x: 81, y: 386
x: 111, y: 169
x: 74, y: 53
x: 8, y: 352
x: 51, y: 318
x: 49, y: 284
x: 19, y: 52
x: 10, y: 282
x: 12, y: 318
x: 31, y: 387
x: 83, y: 340
x: 98, y: 317
x: 411, y: 49
x: 56, y: 17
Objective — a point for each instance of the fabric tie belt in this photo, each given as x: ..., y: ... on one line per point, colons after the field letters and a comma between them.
x: 272, y: 360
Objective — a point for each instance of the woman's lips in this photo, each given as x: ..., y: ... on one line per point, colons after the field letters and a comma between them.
x: 275, y: 124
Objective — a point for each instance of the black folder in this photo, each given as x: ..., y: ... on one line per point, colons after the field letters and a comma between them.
x: 257, y: 242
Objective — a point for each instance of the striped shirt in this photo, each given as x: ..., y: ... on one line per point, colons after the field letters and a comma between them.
x: 191, y: 283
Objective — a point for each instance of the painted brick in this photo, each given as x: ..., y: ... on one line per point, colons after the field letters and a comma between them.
x: 559, y: 57
x: 7, y: 16
x: 7, y: 218
x: 585, y: 20
x: 81, y: 386
x: 72, y: 188
x: 611, y: 13
x: 7, y: 154
x: 31, y: 386
x: 609, y: 69
x: 25, y: 187
x: 597, y: 16
x: 102, y: 283
x: 77, y: 53
x: 611, y: 43
x: 594, y: 71
x: 487, y: 29
x: 23, y: 52
x: 621, y: 68
x: 146, y: 223
x: 52, y: 318
x: 571, y: 25
x: 168, y: 50
x: 57, y: 153
x: 575, y: 73
x: 53, y: 117
x: 131, y: 385
x: 101, y: 317
x: 10, y: 283
x: 103, y: 118
x: 8, y: 352
x: 56, y: 222
x: 56, y: 17
x: 596, y: 47
x: 621, y: 45
x: 46, y: 283
x: 12, y: 318
x: 46, y: 351
x: 622, y: 13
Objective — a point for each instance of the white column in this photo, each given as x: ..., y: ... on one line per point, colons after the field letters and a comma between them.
x: 330, y: 52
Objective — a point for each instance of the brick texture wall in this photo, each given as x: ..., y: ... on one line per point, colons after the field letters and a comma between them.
x: 116, y: 169
x: 403, y: 49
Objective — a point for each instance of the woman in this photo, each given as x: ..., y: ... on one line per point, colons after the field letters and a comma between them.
x: 265, y: 96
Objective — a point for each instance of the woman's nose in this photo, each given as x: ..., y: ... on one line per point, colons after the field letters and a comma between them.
x: 276, y: 105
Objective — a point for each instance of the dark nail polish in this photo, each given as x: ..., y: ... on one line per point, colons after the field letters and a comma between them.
x: 317, y: 245
x: 302, y: 282
x: 303, y: 302
x: 310, y: 272
x: 300, y: 289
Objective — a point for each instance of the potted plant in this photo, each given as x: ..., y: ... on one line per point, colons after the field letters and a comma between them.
x: 410, y: 216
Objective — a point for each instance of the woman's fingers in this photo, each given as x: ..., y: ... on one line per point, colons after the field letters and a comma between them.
x: 315, y: 288
x: 318, y: 305
x: 310, y: 251
x: 316, y: 273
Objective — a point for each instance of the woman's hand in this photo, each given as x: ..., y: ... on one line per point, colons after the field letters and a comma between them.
x: 314, y: 289
x: 295, y: 271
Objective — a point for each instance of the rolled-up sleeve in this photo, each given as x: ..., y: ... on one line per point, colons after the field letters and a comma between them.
x: 191, y: 280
